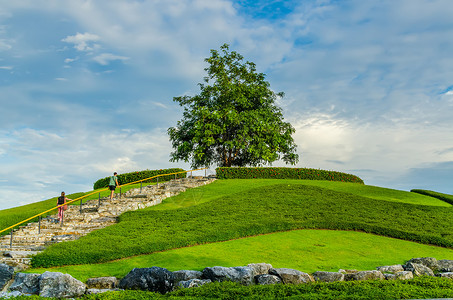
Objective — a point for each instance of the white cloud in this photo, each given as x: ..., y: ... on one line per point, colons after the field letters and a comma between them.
x: 83, y: 41
x: 4, y: 45
x: 388, y: 150
x: 159, y: 104
x: 51, y: 162
x: 105, y: 58
x: 362, y: 83
x: 70, y: 60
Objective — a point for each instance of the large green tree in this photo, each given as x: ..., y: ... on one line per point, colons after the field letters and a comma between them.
x: 234, y: 121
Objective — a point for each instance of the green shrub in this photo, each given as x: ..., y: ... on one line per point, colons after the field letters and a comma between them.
x: 285, y: 173
x: 139, y: 175
x: 444, y: 197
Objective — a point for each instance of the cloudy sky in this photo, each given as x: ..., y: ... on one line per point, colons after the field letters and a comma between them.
x: 87, y: 87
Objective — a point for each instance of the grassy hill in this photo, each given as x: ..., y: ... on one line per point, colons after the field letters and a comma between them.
x: 232, y: 209
x: 236, y: 222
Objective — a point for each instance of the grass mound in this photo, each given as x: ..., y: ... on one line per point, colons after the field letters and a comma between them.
x: 252, y: 211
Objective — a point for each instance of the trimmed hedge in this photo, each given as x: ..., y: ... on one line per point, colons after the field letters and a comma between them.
x: 444, y: 197
x: 135, y: 176
x: 285, y: 173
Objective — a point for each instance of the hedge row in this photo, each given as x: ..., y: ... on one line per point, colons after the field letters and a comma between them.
x: 444, y: 197
x: 135, y: 176
x: 285, y: 173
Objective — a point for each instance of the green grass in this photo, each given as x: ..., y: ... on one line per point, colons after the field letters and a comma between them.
x: 14, y: 215
x: 227, y: 210
x: 304, y: 250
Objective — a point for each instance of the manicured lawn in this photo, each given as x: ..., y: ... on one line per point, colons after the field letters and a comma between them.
x: 227, y: 210
x: 304, y: 250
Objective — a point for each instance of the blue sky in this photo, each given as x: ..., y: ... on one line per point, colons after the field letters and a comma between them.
x: 86, y: 87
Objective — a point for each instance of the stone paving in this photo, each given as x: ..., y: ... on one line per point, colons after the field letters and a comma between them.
x: 31, y: 239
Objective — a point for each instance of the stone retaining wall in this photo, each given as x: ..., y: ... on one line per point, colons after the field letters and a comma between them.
x: 157, y: 279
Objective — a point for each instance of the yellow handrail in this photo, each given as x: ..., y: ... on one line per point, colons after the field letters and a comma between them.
x: 98, y: 191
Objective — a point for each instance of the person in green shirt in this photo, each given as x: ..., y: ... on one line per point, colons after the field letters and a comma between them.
x: 113, y: 183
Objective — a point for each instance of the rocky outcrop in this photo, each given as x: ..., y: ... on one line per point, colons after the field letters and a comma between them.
x: 328, y: 276
x: 102, y: 283
x: 26, y: 283
x: 445, y: 265
x: 445, y: 275
x: 291, y: 276
x: 429, y: 262
x: 6, y: 274
x: 242, y: 275
x: 418, y: 269
x: 367, y: 275
x: 265, y: 279
x: 59, y: 285
x: 161, y: 280
x: 195, y: 282
x: 185, y: 275
x: 153, y: 279
x: 390, y: 269
x: 260, y: 269
x: 402, y: 275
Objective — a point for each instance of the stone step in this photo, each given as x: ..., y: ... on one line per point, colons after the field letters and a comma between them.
x: 19, y: 253
x: 32, y: 238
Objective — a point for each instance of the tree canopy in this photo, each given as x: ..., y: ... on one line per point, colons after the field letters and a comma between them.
x: 234, y: 120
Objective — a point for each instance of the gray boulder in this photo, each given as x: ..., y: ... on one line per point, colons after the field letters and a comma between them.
x: 242, y: 275
x: 99, y: 291
x: 7, y: 295
x: 260, y: 269
x: 418, y: 269
x: 390, y: 269
x: 328, y: 276
x: 153, y: 279
x: 445, y: 265
x: 266, y: 279
x: 348, y: 274
x: 26, y: 283
x: 101, y: 283
x: 445, y: 275
x: 291, y: 275
x: 402, y: 275
x: 368, y: 275
x: 195, y: 282
x: 59, y: 285
x: 6, y: 274
x: 429, y: 262
x: 185, y: 275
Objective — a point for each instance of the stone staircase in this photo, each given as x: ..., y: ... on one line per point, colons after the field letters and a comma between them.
x: 31, y: 238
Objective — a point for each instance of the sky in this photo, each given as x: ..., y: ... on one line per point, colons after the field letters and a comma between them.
x: 87, y: 87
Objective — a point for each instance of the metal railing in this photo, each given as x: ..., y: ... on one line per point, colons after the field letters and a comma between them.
x: 39, y: 216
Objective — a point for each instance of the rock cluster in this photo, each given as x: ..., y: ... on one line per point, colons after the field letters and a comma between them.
x: 156, y: 279
x: 79, y: 221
